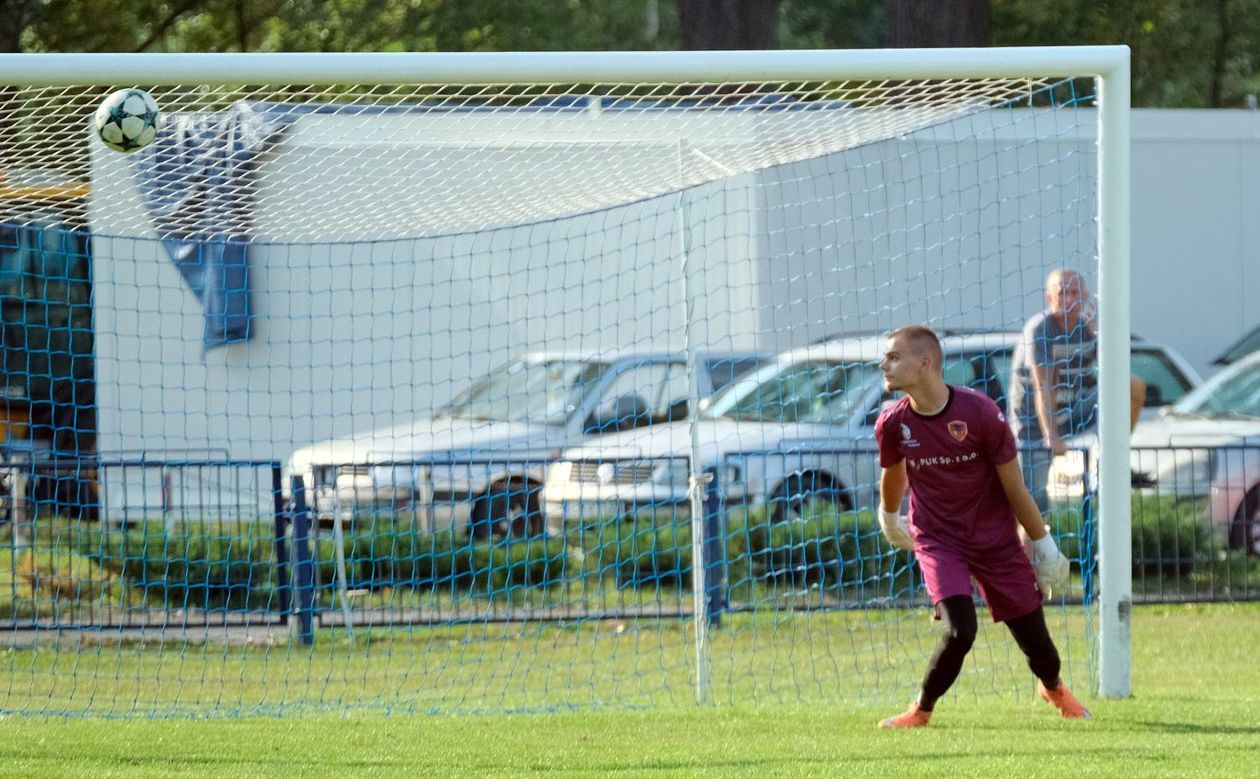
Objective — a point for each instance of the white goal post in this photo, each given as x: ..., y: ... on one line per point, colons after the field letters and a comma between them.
x: 1108, y: 65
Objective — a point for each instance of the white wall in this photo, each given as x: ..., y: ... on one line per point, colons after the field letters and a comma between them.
x: 955, y: 225
x: 352, y: 335
x: 1196, y: 235
x: 987, y: 219
x: 924, y: 227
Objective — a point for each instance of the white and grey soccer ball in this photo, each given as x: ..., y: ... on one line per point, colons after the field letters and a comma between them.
x: 128, y: 120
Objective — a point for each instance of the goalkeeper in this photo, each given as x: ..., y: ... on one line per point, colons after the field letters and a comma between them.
x: 951, y: 446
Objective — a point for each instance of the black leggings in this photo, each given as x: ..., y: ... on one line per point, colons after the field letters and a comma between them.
x: 958, y: 617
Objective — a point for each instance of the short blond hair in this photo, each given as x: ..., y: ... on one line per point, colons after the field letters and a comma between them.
x: 923, y: 340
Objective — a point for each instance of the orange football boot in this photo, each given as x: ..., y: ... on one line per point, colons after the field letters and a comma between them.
x: 1063, y: 700
x: 914, y: 717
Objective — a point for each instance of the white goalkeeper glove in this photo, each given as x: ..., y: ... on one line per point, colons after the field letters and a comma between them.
x: 1051, y: 566
x: 896, y: 530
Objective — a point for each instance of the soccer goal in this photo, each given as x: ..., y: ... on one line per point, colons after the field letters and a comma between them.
x: 455, y: 382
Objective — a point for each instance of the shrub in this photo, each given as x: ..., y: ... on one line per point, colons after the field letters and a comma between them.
x: 1170, y: 536
x: 827, y: 548
x: 839, y: 551
x: 392, y: 553
x: 510, y: 564
x: 203, y: 565
x: 644, y: 552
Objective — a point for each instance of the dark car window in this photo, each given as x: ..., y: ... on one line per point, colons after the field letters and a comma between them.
x: 815, y: 391
x: 1165, y: 384
x: 1237, y: 394
x: 1241, y: 348
x: 981, y: 371
x: 653, y: 388
x: 724, y: 370
x: 537, y: 392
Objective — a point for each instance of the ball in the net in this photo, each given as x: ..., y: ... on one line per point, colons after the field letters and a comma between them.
x: 128, y: 119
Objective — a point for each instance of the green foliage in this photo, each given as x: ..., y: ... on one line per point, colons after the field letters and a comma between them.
x: 644, y: 551
x: 842, y: 555
x: 1170, y: 537
x: 232, y: 566
x: 202, y: 565
x: 838, y: 551
x: 392, y: 553
x: 833, y: 24
x: 827, y: 548
x: 1185, y: 53
x: 1068, y: 527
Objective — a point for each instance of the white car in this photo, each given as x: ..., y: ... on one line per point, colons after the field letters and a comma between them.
x: 799, y: 429
x: 480, y: 460
x: 1206, y: 446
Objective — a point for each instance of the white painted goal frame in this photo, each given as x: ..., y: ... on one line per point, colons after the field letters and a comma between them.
x: 1108, y: 64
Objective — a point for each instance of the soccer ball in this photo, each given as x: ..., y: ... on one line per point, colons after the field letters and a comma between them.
x: 128, y: 120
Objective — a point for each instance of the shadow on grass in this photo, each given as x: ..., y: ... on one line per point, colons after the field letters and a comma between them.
x: 1187, y: 728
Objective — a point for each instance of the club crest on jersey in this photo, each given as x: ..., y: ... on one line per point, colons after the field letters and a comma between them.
x: 958, y: 430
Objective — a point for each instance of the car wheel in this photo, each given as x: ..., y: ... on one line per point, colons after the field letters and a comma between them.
x: 1245, y: 531
x: 797, y: 493
x: 509, y: 510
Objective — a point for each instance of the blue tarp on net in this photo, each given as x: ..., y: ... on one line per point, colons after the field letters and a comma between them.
x: 194, y: 181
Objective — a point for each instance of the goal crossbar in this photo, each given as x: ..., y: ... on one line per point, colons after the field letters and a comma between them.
x: 587, y: 67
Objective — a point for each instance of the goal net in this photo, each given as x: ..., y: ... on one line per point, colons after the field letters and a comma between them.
x: 509, y: 382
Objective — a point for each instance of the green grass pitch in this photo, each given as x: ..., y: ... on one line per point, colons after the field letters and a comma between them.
x: 1195, y: 712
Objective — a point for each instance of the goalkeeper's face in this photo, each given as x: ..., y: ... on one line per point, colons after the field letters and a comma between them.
x: 903, y: 366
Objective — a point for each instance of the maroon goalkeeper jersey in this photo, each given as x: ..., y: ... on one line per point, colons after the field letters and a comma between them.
x: 956, y: 498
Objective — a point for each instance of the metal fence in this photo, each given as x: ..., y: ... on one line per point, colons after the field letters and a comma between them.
x: 138, y: 543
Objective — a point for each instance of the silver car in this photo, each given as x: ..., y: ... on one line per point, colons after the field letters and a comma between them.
x: 798, y: 430
x: 1206, y: 447
x: 479, y: 461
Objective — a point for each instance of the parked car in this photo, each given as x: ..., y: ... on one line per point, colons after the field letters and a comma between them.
x: 1250, y: 342
x: 1206, y: 446
x: 798, y: 430
x: 479, y: 461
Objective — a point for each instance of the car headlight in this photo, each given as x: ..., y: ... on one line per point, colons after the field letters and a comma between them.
x: 560, y: 472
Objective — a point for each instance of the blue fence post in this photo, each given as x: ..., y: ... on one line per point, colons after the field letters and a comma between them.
x: 1089, y: 527
x: 714, y: 559
x: 305, y: 567
x: 281, y: 547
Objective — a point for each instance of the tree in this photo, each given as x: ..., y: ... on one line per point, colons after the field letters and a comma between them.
x: 924, y: 23
x: 13, y: 20
x: 833, y: 24
x: 470, y: 25
x: 1186, y: 53
x: 728, y: 24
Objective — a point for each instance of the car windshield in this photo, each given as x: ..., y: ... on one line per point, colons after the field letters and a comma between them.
x: 1227, y: 394
x: 542, y: 392
x: 819, y: 391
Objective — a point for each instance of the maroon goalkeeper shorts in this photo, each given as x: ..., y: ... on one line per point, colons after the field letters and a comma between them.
x: 1004, y: 575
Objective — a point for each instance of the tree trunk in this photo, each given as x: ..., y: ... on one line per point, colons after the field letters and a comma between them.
x: 13, y: 15
x: 1220, y: 61
x: 931, y: 23
x: 713, y: 25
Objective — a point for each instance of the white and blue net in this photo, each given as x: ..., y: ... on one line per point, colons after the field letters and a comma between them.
x: 427, y: 398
